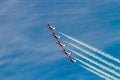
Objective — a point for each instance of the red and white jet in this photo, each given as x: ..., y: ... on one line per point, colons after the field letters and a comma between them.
x: 55, y: 36
x: 72, y: 60
x: 60, y: 44
x: 64, y: 51
x: 50, y: 27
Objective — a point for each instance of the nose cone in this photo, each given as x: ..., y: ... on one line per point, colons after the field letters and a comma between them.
x: 53, y: 28
x: 64, y: 45
x: 59, y: 37
x: 75, y: 61
x: 69, y: 53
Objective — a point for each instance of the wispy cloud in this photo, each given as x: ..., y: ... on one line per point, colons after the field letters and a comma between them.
x: 7, y: 5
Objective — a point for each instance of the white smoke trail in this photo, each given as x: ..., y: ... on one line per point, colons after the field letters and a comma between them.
x: 95, y: 56
x: 92, y: 48
x: 98, y: 70
x: 97, y: 73
x: 96, y: 63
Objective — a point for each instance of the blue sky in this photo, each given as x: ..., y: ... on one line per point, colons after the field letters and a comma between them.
x: 27, y: 52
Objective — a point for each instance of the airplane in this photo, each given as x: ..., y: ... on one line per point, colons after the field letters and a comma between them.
x: 64, y: 51
x: 55, y: 36
x: 60, y: 44
x: 70, y: 59
x: 50, y: 27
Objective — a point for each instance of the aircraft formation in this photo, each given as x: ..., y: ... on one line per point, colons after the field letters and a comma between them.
x: 96, y: 64
x: 57, y: 37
